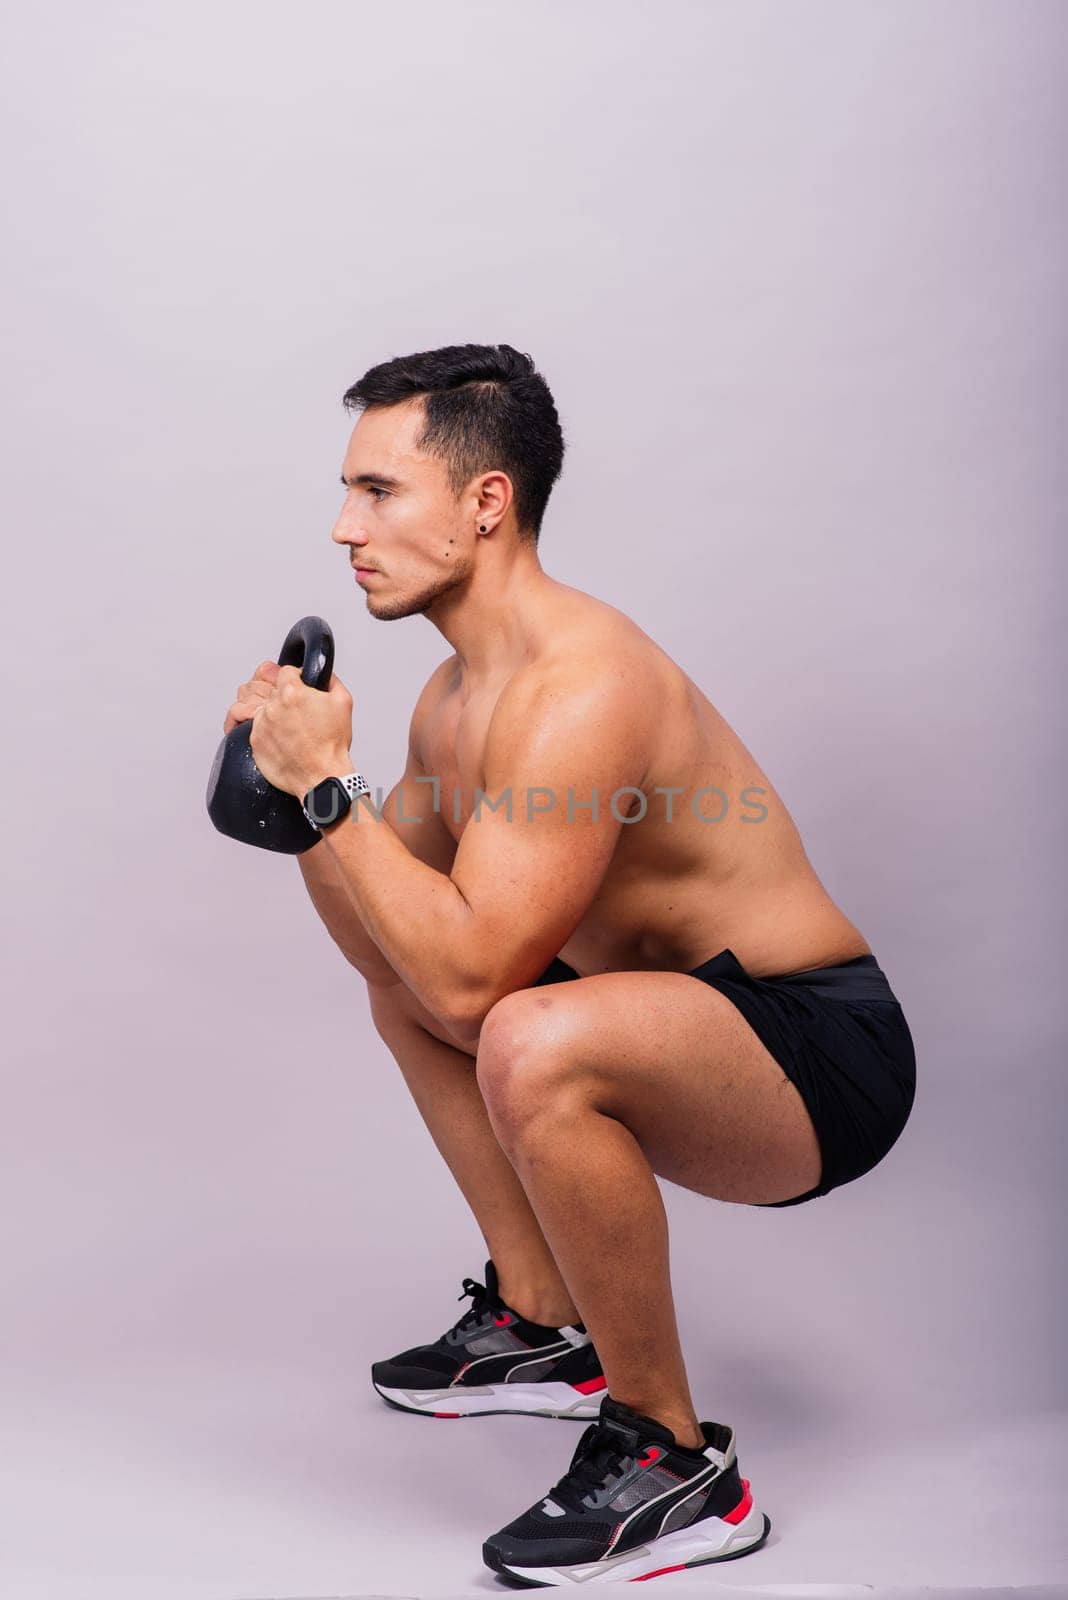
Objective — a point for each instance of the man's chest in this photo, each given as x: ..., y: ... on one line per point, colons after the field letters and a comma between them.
x: 453, y: 752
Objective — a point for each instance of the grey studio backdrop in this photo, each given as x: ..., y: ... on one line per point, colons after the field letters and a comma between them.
x: 795, y: 275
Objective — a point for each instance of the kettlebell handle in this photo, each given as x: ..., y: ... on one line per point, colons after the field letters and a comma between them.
x: 309, y: 645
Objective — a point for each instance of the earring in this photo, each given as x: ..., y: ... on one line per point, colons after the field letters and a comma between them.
x: 481, y: 527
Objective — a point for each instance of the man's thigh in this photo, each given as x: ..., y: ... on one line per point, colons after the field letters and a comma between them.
x: 677, y: 1064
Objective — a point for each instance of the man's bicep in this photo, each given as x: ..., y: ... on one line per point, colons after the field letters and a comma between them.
x: 528, y: 885
x: 560, y: 771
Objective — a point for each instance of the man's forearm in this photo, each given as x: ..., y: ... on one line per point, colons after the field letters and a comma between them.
x: 416, y: 917
x: 339, y: 915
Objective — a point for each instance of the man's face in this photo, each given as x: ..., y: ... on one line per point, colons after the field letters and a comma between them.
x: 400, y: 518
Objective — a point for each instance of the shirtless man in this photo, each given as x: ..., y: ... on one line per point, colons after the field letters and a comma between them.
x: 582, y: 995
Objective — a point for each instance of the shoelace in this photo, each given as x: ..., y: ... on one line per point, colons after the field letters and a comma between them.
x: 481, y: 1300
x: 600, y: 1453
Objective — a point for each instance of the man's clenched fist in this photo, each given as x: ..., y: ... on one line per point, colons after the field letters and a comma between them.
x: 299, y: 735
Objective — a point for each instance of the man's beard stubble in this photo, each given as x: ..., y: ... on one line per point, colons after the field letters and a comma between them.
x: 392, y: 610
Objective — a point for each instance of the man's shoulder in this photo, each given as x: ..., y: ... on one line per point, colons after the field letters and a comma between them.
x: 596, y: 691
x: 586, y: 662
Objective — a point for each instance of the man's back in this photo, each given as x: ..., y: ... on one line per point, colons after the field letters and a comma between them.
x: 709, y: 857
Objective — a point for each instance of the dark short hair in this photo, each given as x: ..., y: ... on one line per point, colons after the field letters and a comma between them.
x: 486, y: 408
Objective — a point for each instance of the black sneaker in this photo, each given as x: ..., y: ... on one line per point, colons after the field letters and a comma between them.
x: 493, y: 1360
x: 633, y: 1504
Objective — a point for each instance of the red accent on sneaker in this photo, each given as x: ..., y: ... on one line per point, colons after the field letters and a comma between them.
x: 744, y: 1506
x: 643, y: 1575
x: 590, y: 1385
x: 502, y: 1322
x: 654, y: 1455
x: 447, y: 1413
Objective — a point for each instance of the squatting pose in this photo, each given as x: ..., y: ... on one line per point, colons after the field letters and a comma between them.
x: 596, y: 948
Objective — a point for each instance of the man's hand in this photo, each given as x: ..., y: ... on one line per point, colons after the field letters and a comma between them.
x: 300, y: 735
x: 250, y: 696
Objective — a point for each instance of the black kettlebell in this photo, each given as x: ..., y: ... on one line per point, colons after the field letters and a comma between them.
x: 241, y: 803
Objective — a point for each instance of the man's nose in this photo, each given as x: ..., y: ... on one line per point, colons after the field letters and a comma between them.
x: 347, y: 531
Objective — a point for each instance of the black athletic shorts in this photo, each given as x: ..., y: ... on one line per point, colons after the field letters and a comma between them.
x: 840, y: 1036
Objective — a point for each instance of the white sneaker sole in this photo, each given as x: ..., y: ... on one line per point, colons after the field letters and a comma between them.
x: 712, y: 1539
x: 532, y: 1399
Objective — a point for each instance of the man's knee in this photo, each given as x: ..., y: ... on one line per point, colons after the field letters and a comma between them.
x: 527, y: 1023
x: 524, y: 1056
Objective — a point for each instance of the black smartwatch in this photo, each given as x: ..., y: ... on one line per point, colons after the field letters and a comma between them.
x: 332, y: 799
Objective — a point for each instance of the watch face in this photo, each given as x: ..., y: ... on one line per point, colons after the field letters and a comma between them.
x: 328, y: 802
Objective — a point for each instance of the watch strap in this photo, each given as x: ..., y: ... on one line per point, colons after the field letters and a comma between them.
x: 355, y: 784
